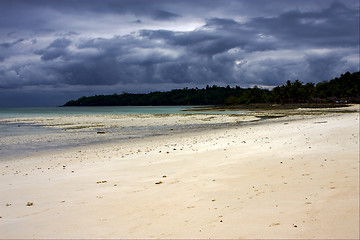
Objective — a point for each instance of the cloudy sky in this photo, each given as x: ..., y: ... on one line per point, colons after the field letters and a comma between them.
x: 52, y: 51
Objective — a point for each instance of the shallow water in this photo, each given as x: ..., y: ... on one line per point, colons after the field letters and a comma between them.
x: 63, y: 111
x: 21, y: 134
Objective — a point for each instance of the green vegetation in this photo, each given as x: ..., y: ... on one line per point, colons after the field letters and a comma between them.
x: 346, y: 88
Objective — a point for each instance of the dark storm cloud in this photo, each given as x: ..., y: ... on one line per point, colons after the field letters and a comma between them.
x: 289, y: 30
x: 322, y: 64
x: 41, y: 15
x: 5, y: 47
x: 216, y: 36
x: 55, y: 50
x: 60, y: 43
x: 331, y: 27
x: 152, y: 9
x: 164, y: 15
x: 10, y: 44
x: 115, y: 44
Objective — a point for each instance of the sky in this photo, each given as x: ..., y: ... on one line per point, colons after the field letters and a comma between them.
x: 53, y: 51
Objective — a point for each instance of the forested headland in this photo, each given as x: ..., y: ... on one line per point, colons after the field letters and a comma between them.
x: 345, y: 88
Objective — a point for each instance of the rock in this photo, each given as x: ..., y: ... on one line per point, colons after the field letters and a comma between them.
x: 29, y: 204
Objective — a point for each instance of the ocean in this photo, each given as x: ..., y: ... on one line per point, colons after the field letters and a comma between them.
x: 22, y: 133
x: 63, y: 111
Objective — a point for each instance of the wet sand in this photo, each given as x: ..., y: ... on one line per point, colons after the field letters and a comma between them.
x: 290, y: 177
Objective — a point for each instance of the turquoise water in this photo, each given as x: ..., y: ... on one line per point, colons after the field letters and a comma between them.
x: 20, y: 138
x: 62, y: 111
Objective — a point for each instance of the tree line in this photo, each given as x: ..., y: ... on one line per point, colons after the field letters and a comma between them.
x: 345, y: 88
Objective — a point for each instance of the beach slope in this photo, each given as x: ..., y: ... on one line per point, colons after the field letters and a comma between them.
x: 292, y: 177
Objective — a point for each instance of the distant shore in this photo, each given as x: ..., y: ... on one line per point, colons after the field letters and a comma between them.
x: 270, y: 106
x: 280, y: 173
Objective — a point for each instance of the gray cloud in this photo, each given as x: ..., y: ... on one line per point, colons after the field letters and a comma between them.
x: 10, y: 44
x: 5, y: 48
x: 164, y: 15
x: 56, y: 49
x: 322, y: 65
x: 313, y: 28
x: 143, y: 45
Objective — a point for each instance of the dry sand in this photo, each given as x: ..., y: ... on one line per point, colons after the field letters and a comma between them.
x: 292, y: 177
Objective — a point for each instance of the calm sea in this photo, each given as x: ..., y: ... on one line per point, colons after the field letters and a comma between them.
x: 62, y: 111
x: 25, y: 137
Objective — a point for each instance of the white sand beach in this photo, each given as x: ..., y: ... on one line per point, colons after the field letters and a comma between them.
x: 290, y: 177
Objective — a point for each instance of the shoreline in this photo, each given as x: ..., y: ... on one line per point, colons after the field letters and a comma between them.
x: 58, y: 133
x: 290, y: 177
x: 48, y: 135
x: 41, y: 134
